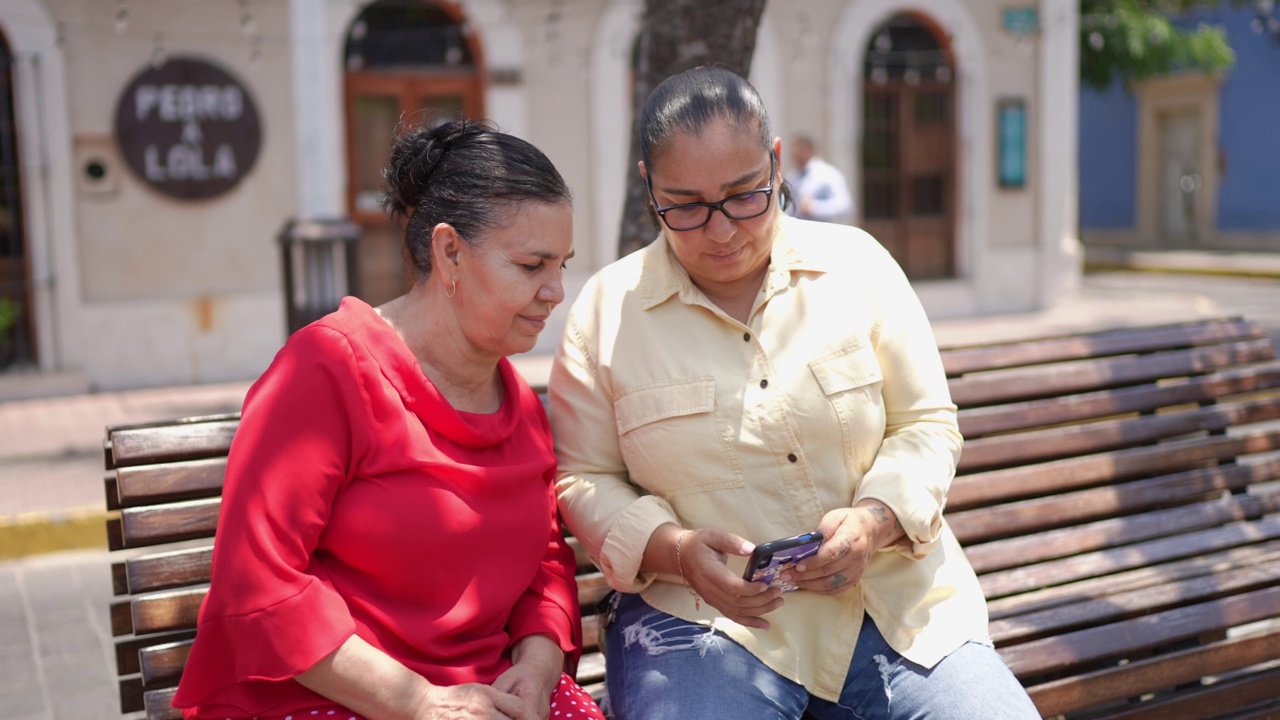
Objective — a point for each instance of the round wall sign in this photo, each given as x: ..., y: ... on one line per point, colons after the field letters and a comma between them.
x: 188, y: 128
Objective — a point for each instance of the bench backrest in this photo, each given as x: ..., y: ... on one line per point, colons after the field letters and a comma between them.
x: 1107, y: 495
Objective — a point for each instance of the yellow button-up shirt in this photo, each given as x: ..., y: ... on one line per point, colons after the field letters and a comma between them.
x: 665, y: 409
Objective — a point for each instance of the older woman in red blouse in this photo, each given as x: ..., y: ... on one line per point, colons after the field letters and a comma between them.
x: 388, y: 545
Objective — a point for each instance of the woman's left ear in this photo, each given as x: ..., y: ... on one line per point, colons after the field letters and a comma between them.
x: 777, y: 153
x: 445, y: 245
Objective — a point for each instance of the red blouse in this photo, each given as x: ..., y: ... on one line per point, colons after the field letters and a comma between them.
x: 358, y: 500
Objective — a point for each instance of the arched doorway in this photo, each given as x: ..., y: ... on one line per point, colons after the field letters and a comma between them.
x: 411, y: 62
x: 16, y: 339
x: 908, y: 154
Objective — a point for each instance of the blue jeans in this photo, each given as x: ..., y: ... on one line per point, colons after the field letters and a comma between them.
x: 660, y: 667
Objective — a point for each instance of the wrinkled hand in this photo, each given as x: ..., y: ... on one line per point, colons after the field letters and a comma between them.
x: 534, y: 673
x: 703, y: 554
x: 853, y: 535
x: 472, y: 702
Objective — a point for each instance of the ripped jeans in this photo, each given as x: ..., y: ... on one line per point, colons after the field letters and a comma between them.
x: 663, y: 668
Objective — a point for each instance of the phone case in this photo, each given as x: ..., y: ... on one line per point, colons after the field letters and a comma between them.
x: 768, y: 560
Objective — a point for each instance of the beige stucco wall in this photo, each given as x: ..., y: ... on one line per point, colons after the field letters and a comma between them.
x: 176, y: 290
x: 151, y: 290
x: 1001, y: 241
x: 555, y: 79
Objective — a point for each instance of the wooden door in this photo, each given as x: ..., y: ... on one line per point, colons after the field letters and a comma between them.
x: 408, y: 63
x: 908, y: 145
x: 377, y: 105
x: 908, y: 174
x: 17, y: 332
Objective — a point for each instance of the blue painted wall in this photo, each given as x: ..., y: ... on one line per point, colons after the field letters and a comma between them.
x: 1249, y: 137
x: 1108, y: 158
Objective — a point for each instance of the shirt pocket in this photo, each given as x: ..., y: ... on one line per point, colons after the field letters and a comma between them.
x: 672, y: 438
x: 851, y: 379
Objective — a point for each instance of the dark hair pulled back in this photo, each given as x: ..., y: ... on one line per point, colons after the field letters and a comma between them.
x: 687, y: 102
x: 464, y: 173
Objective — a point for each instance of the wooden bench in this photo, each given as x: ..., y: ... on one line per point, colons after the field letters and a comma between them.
x: 1117, y: 496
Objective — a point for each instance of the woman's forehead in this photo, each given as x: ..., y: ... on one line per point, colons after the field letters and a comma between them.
x: 722, y: 148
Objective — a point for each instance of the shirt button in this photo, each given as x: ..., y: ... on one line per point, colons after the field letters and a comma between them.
x: 764, y: 384
x: 792, y: 457
x: 746, y: 337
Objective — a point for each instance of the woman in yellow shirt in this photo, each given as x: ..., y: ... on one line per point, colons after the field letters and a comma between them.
x: 747, y: 377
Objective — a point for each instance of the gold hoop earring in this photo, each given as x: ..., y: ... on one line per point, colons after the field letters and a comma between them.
x: 452, y: 289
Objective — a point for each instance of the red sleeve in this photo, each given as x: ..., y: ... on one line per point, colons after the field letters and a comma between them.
x: 271, y: 612
x: 550, y: 604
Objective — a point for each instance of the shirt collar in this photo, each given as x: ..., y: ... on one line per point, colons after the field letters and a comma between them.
x: 662, y: 275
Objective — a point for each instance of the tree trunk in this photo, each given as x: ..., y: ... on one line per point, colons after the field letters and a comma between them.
x: 677, y: 35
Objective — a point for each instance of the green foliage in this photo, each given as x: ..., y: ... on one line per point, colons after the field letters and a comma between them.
x: 9, y: 310
x: 1134, y: 40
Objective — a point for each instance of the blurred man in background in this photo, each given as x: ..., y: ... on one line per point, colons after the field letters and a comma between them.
x: 819, y: 191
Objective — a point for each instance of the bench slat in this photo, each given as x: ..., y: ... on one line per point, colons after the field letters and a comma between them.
x: 1103, y: 562
x: 131, y: 695
x: 158, y: 524
x: 592, y: 587
x: 120, y: 618
x: 161, y: 571
x: 127, y: 649
x: 1100, y: 436
x: 1115, y: 532
x: 1029, y: 383
x: 1143, y: 676
x: 166, y: 611
x: 1128, y: 637
x: 591, y: 668
x: 1118, y: 606
x: 1080, y: 472
x: 1259, y: 690
x: 977, y: 422
x: 168, y: 442
x: 159, y: 704
x: 1142, y: 577
x: 163, y: 663
x: 958, y: 360
x: 144, y: 484
x: 1071, y: 508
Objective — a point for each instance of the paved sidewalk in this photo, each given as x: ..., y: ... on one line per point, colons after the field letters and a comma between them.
x: 56, y: 657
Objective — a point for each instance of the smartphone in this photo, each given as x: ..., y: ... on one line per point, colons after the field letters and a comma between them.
x: 769, y: 559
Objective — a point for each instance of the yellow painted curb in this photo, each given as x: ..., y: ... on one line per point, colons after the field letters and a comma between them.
x: 1110, y: 265
x: 43, y: 532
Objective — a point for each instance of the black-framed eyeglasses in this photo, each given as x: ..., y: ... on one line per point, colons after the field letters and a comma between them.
x: 742, y: 206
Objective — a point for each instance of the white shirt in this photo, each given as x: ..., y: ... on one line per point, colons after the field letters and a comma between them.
x: 822, y: 186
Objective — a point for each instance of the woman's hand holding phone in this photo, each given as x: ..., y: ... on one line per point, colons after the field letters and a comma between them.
x: 853, y: 535
x: 703, y: 554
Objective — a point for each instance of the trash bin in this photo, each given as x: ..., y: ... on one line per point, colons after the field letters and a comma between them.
x: 319, y: 262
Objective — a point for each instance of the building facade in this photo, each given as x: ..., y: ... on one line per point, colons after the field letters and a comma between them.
x: 159, y: 147
x: 1189, y: 161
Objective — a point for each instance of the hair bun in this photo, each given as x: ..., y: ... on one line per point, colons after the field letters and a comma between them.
x: 416, y: 153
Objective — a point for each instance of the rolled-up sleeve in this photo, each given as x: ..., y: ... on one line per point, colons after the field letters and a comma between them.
x: 917, y: 460
x: 610, y: 516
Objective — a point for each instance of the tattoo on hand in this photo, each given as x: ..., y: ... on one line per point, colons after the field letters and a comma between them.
x: 882, y: 515
x: 845, y: 548
x: 838, y: 580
